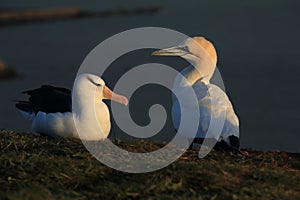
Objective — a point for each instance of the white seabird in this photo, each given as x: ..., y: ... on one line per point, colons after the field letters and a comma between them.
x: 50, y: 109
x: 212, y: 100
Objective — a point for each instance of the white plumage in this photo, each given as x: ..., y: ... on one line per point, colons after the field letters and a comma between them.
x: 50, y: 111
x: 211, y: 100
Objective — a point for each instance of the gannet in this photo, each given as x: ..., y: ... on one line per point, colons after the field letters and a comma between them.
x: 50, y: 111
x: 212, y: 100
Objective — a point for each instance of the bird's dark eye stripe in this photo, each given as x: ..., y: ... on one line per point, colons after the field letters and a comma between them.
x: 97, y: 84
x: 185, y: 48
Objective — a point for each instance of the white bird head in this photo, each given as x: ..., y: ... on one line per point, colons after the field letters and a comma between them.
x: 90, y: 81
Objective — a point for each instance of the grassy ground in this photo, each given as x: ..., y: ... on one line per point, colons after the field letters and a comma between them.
x: 34, y: 167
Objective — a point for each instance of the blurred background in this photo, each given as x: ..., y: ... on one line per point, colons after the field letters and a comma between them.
x: 257, y: 43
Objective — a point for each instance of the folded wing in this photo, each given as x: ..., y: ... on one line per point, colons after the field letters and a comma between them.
x: 48, y: 99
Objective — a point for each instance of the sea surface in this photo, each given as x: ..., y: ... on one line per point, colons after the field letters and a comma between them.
x: 257, y: 43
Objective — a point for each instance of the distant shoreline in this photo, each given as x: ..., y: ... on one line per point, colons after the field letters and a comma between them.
x: 11, y: 17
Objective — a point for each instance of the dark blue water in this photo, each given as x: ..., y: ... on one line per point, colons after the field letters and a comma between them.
x: 257, y: 43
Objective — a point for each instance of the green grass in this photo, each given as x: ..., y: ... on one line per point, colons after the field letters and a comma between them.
x: 34, y: 167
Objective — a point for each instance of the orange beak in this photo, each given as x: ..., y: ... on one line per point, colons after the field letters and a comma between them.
x: 108, y: 94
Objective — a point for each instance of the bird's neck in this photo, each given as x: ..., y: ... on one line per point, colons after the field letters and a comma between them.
x: 89, y: 114
x: 200, y: 69
x: 103, y: 117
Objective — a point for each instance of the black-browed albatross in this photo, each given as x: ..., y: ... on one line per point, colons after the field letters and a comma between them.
x: 50, y: 111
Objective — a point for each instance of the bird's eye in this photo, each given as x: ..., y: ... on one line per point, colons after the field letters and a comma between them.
x: 98, y: 84
x: 186, y: 48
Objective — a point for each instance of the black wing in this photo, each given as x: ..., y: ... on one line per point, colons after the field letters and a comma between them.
x: 47, y: 99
